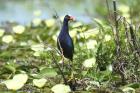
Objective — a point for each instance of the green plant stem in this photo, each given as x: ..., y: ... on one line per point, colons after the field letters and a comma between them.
x: 116, y: 32
x: 63, y: 76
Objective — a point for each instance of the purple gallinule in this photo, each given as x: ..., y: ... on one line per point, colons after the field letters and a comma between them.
x: 64, y: 41
x: 66, y: 46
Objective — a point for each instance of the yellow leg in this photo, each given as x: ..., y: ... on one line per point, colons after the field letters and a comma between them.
x: 61, y: 50
x: 62, y: 61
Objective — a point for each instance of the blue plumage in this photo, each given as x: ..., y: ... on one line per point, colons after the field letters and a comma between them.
x: 64, y: 40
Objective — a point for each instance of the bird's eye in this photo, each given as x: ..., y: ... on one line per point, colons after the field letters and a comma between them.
x: 68, y: 17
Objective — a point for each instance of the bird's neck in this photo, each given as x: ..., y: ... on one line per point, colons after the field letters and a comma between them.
x: 65, y: 27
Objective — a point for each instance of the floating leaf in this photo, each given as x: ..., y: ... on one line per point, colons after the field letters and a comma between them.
x: 50, y: 22
x: 47, y: 72
x: 91, y: 44
x: 17, y: 82
x: 73, y: 33
x: 110, y: 68
x: 21, y: 78
x: 124, y: 8
x: 39, y: 82
x: 37, y: 53
x: 36, y: 21
x: 37, y: 47
x: 19, y: 29
x: 88, y: 63
x: 7, y: 38
x: 128, y: 90
x: 107, y: 37
x: 23, y: 43
x: 13, y: 84
x: 61, y: 88
x: 54, y: 37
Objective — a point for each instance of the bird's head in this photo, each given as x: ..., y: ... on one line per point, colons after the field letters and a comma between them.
x: 68, y: 18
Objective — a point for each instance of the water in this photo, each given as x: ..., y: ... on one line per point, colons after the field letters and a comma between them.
x: 22, y: 11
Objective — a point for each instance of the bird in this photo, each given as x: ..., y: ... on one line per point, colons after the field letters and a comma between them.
x: 66, y: 47
x: 64, y: 41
